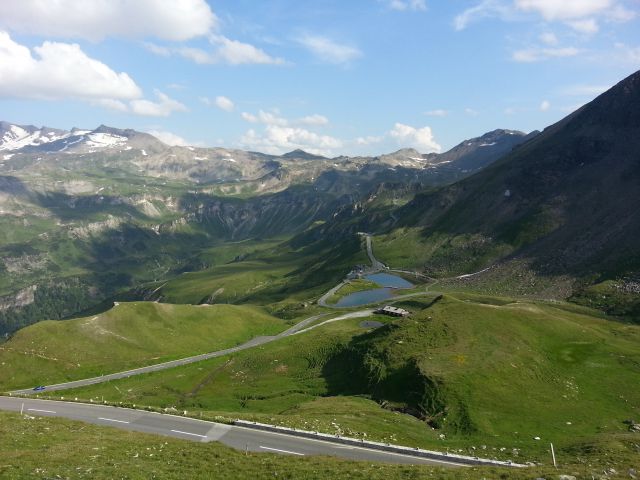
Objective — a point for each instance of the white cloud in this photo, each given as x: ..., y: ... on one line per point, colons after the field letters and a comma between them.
x: 162, y: 108
x: 403, y: 5
x: 485, y: 9
x: 368, y: 140
x: 97, y: 19
x: 545, y: 105
x: 577, y: 14
x: 437, y: 113
x: 196, y: 55
x: 267, y: 118
x: 111, y: 104
x: 564, y: 9
x: 274, y: 118
x: 549, y: 38
x: 314, y: 119
x: 328, y: 50
x: 419, y: 138
x: 530, y: 55
x: 238, y: 53
x: 227, y: 51
x: 249, y: 117
x: 59, y: 70
x: 277, y: 139
x: 224, y: 103
x: 168, y: 137
x: 587, y: 26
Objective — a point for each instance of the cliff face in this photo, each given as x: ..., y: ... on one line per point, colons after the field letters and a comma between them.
x: 22, y: 298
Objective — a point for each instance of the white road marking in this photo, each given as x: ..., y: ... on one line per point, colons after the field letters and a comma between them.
x: 189, y: 433
x: 112, y: 420
x: 355, y: 447
x: 41, y: 411
x: 282, y: 451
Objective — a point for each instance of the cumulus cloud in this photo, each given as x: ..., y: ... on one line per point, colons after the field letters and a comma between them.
x: 530, y: 55
x: 545, y: 105
x: 224, y: 103
x: 274, y: 118
x: 277, y: 139
x: 95, y: 20
x: 234, y: 52
x: 587, y: 26
x: 418, y: 138
x: 403, y: 5
x: 565, y: 9
x: 224, y: 51
x: 168, y: 137
x: 59, y: 70
x: 314, y: 119
x: 164, y: 107
x: 577, y: 14
x: 328, y: 50
x: 267, y: 118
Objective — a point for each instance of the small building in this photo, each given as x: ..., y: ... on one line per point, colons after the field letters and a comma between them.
x: 393, y: 311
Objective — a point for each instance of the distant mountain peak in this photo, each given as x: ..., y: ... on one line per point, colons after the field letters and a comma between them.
x: 301, y: 154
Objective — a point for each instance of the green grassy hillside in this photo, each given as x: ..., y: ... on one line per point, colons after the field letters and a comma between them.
x: 476, y: 370
x: 127, y: 336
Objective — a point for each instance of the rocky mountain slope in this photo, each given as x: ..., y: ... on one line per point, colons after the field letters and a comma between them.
x: 567, y: 198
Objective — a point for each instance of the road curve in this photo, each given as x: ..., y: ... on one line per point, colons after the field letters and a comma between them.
x: 254, y: 342
x: 185, y: 428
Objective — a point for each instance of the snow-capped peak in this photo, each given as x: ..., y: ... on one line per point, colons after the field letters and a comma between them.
x: 15, y: 137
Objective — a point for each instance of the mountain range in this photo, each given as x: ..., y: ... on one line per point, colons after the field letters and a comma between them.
x: 87, y: 214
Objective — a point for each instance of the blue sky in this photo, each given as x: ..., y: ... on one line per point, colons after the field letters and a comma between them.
x: 333, y: 77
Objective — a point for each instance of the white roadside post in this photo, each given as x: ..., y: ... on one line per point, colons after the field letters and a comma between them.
x: 553, y: 456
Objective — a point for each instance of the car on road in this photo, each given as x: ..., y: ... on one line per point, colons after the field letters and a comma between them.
x: 39, y: 388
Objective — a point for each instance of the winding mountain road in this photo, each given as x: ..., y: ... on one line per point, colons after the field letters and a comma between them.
x: 235, y: 436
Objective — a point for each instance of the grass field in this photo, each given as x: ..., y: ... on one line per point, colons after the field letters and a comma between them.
x: 55, y: 448
x: 127, y: 336
x: 483, y: 371
x: 276, y: 274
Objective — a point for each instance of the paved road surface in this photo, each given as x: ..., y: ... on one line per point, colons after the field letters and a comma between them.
x: 254, y: 342
x: 375, y: 263
x: 200, y: 431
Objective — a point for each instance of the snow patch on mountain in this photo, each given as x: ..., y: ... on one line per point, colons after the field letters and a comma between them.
x: 102, y: 140
x: 16, y: 137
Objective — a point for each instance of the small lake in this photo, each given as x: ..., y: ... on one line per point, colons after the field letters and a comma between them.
x: 390, y: 284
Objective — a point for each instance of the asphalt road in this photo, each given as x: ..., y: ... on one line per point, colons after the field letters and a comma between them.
x: 375, y: 263
x: 254, y: 342
x: 241, y: 438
